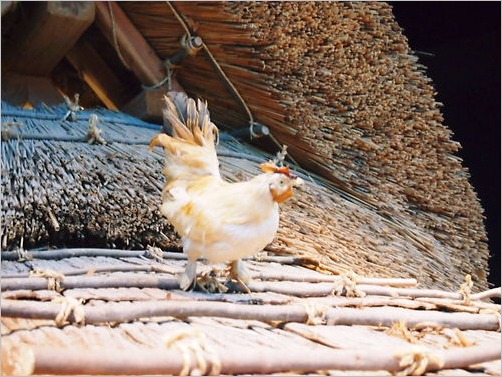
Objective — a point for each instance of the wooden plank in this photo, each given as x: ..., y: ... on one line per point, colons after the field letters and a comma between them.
x: 129, y: 43
x: 45, y: 35
x: 139, y: 57
x: 97, y: 74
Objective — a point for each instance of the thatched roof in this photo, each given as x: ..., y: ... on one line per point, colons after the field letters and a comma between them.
x: 336, y: 82
x: 387, y: 211
x: 60, y: 190
x: 88, y: 311
x: 102, y: 311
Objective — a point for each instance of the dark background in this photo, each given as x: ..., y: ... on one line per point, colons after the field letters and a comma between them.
x: 459, y: 43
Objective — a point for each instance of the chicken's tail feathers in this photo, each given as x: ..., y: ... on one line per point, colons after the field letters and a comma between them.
x: 189, y: 138
x: 188, y: 120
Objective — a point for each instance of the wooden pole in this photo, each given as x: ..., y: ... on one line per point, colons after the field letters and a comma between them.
x: 129, y: 43
x: 49, y: 360
x: 125, y: 312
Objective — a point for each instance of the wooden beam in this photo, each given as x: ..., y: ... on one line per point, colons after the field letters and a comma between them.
x: 44, y: 37
x: 29, y: 91
x: 129, y: 43
x: 97, y: 74
x: 139, y: 56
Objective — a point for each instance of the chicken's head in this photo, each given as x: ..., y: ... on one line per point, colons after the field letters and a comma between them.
x: 280, y: 181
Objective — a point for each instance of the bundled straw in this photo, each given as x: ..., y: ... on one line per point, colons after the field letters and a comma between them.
x: 59, y: 189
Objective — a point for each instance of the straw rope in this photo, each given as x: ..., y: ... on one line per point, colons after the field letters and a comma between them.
x: 69, y: 306
x: 54, y: 278
x: 94, y: 132
x: 416, y: 362
x: 466, y: 289
x: 193, y: 345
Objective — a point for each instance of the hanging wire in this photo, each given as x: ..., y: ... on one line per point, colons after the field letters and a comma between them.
x: 218, y: 68
x: 228, y: 83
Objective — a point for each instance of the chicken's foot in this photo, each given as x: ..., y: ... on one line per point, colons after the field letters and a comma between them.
x: 240, y: 272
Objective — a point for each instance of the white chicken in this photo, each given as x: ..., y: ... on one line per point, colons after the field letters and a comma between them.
x: 217, y: 220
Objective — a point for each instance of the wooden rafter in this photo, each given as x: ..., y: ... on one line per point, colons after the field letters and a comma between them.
x: 129, y: 43
x: 139, y: 57
x: 97, y: 74
x: 45, y: 35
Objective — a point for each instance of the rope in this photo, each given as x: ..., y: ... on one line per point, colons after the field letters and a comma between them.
x: 193, y: 344
x: 167, y: 79
x: 347, y: 284
x: 466, y: 289
x: 399, y: 329
x: 415, y: 362
x: 73, y: 108
x: 54, y: 278
x: 154, y: 252
x: 114, y: 35
x: 209, y: 283
x: 70, y: 305
x: 316, y: 315
x: 6, y: 130
x: 179, y: 18
x: 94, y: 132
x: 218, y: 68
x: 23, y: 255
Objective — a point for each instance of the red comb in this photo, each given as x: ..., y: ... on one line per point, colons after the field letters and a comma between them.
x: 285, y: 170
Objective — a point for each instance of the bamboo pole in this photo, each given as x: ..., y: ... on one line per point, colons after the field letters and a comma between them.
x: 62, y: 361
x: 125, y: 311
x: 70, y: 282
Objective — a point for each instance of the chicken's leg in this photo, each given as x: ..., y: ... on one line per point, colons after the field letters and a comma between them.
x: 239, y: 272
x: 188, y: 278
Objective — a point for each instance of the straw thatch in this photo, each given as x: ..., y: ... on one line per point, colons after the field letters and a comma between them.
x: 96, y: 311
x: 338, y: 83
x: 62, y: 191
x: 59, y: 188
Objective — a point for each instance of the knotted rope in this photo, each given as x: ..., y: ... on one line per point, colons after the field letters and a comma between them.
x: 193, y: 345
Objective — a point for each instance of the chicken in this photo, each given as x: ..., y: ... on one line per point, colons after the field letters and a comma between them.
x: 217, y: 220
